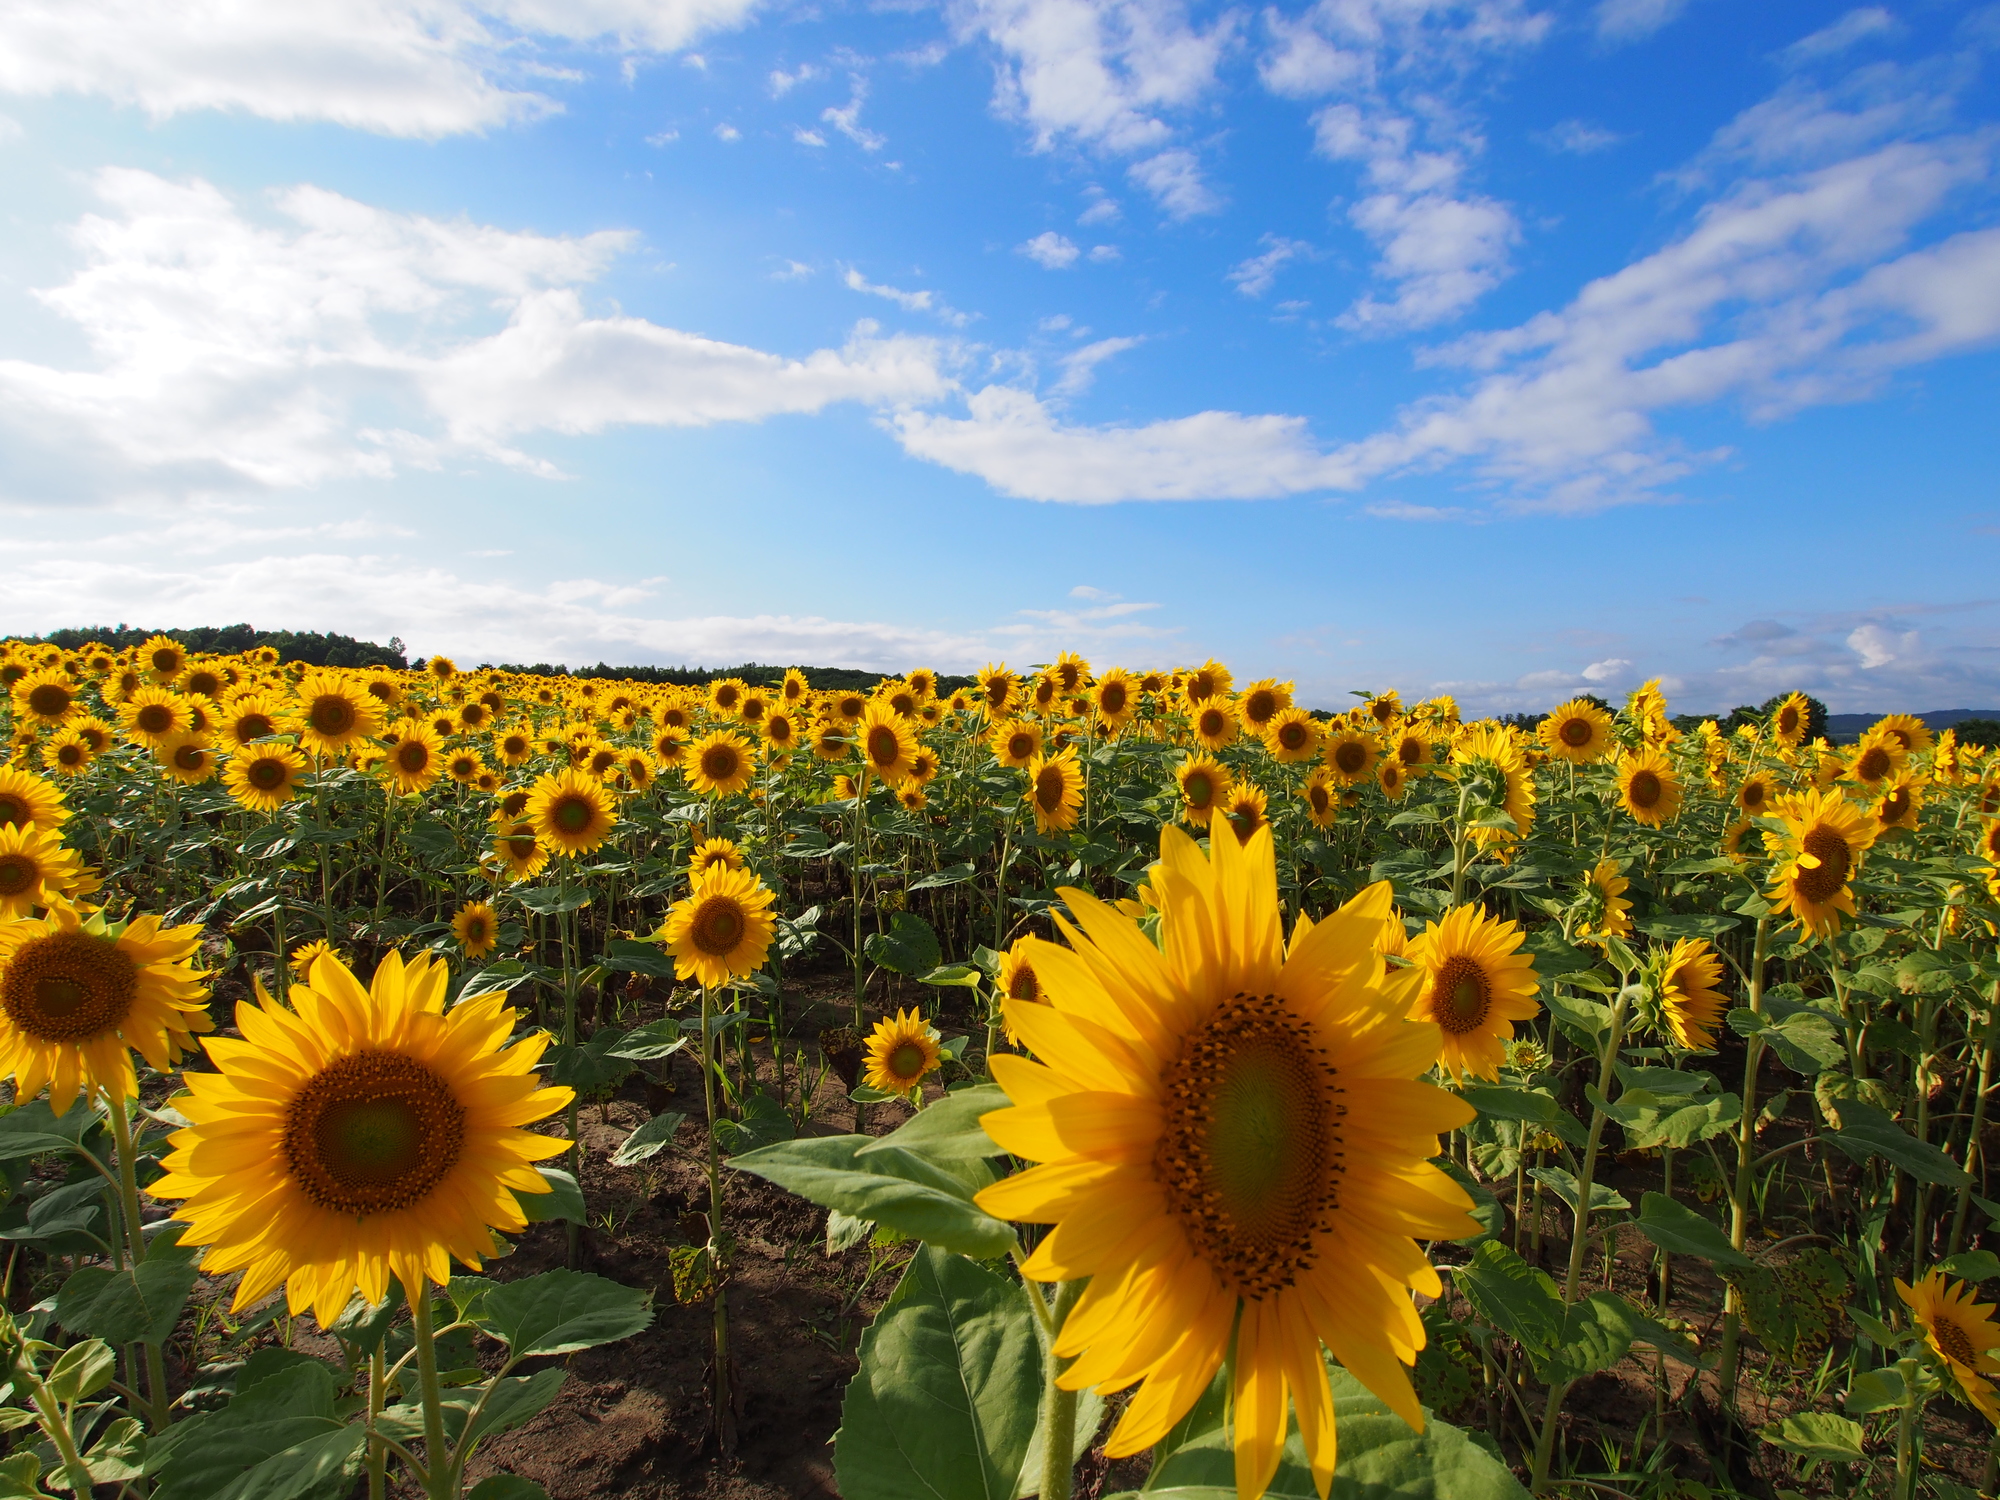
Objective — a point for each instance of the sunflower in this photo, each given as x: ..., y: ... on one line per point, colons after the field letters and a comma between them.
x: 163, y: 658
x: 721, y: 928
x: 1055, y: 791
x: 67, y: 753
x: 477, y: 928
x: 1960, y: 1330
x: 519, y: 853
x: 1114, y: 699
x: 187, y: 759
x: 1018, y: 980
x: 1690, y: 1003
x: 1384, y: 708
x: 1262, y: 702
x: 514, y: 747
x: 1604, y: 905
x: 358, y: 1135
x: 416, y: 760
x: 636, y: 768
x: 1322, y: 798
x: 1204, y: 682
x: 924, y: 766
x: 1214, y: 722
x: 845, y: 789
x: 307, y: 954
x: 1393, y: 779
x: 1246, y: 810
x: 1205, y: 784
x: 570, y: 813
x: 1476, y: 985
x: 713, y: 854
x: 754, y: 707
x: 1291, y: 736
x: 1393, y: 941
x: 1910, y: 731
x: 888, y: 746
x: 1817, y: 855
x: 1235, y: 1152
x: 1756, y: 794
x: 999, y: 690
x: 46, y: 698
x: 35, y: 870
x: 794, y: 689
x: 473, y: 716
x: 901, y: 1053
x: 442, y: 669
x: 1790, y: 719
x: 1877, y: 757
x: 1489, y: 762
x: 1648, y: 789
x: 1411, y: 748
x: 719, y: 764
x: 264, y: 778
x: 248, y: 718
x: 1901, y: 801
x: 848, y: 707
x: 1578, y: 731
x: 781, y: 731
x: 334, y: 714
x: 1015, y: 742
x: 154, y: 715
x: 465, y: 766
x: 1735, y: 836
x: 1350, y: 754
x: 94, y: 732
x: 77, y: 994
x: 830, y: 742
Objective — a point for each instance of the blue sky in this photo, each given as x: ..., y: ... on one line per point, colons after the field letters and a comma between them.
x: 1500, y: 347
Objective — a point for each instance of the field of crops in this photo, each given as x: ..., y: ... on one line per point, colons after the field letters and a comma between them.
x: 1078, y: 1083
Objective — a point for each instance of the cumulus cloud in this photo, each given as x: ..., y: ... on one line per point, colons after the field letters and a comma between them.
x: 1254, y: 277
x: 424, y: 68
x: 1051, y: 251
x: 1621, y: 21
x: 328, y: 338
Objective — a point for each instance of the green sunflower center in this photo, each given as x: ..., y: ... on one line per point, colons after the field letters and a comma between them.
x: 1461, y: 996
x: 372, y: 1133
x: 1250, y: 1154
x: 68, y: 987
x: 907, y: 1061
x: 573, y: 814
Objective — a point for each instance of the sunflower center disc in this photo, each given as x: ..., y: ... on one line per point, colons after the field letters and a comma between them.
x: 372, y: 1133
x: 266, y: 775
x: 1249, y: 1157
x: 1576, y: 733
x: 331, y: 716
x: 1645, y: 790
x: 882, y: 747
x: 718, y: 926
x: 69, y: 986
x: 156, y: 718
x: 413, y: 756
x: 1049, y: 789
x: 16, y: 874
x: 1350, y: 758
x: 1953, y: 1341
x: 907, y: 1061
x: 48, y: 700
x: 573, y: 815
x: 1460, y: 998
x: 1873, y: 765
x: 1830, y: 849
x: 1024, y: 985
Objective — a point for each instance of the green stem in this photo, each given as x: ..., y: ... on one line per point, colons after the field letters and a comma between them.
x: 378, y: 1456
x: 440, y: 1479
x: 1739, y: 1190
x: 1972, y: 1149
x: 723, y: 1432
x: 1058, y: 1405
x: 128, y: 1199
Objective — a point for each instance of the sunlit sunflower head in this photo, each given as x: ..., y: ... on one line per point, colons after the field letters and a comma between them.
x: 263, y: 778
x: 781, y: 731
x: 1384, y: 708
x: 67, y: 754
x: 1603, y: 910
x: 1911, y: 732
x: 1648, y: 787
x: 900, y: 1053
x: 831, y: 742
x: 1246, y: 809
x: 1961, y: 1331
x: 1321, y: 795
x: 1262, y: 702
x: 1291, y: 736
x: 45, y: 698
x: 1114, y: 698
x: 720, y: 763
x: 924, y: 766
x: 1214, y: 722
x: 1411, y: 746
x: 163, y: 659
x: 1900, y: 805
x: 333, y: 714
x: 305, y: 955
x: 1476, y: 985
x: 1878, y: 756
x: 601, y: 759
x: 1015, y: 742
x: 999, y: 690
x: 888, y: 744
x: 848, y: 707
x: 1209, y: 680
x: 1755, y: 796
x: 1258, y: 1167
x: 1055, y: 791
x: 1017, y: 979
x: 1988, y: 841
x: 636, y: 769
x: 514, y: 747
x: 1392, y: 779
x: 416, y: 757
x: 1686, y: 993
x: 154, y: 715
x: 250, y: 717
x: 1818, y: 854
x: 78, y: 994
x: 1790, y: 719
x: 1742, y: 841
x: 188, y: 759
x: 721, y: 929
x: 94, y: 732
x: 36, y: 870
x: 1579, y: 731
x: 794, y: 690
x: 473, y: 716
x: 1351, y: 754
x: 712, y: 854
x: 477, y: 927
x: 1393, y: 941
x: 570, y: 812
x: 1205, y: 784
x: 911, y: 797
x: 753, y: 707
x: 518, y: 853
x: 358, y: 1134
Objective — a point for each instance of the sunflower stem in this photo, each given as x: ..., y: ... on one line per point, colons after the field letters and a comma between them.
x: 1058, y: 1405
x: 1739, y: 1188
x: 378, y: 1456
x: 723, y: 1432
x: 439, y: 1479
x: 128, y: 1200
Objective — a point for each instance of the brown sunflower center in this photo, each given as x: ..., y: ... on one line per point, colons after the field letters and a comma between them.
x: 520, y: 846
x: 71, y: 754
x: 69, y: 986
x: 1111, y: 699
x: 907, y: 1062
x: 412, y: 756
x: 718, y: 926
x: 1049, y: 788
x: 331, y: 715
x: 1645, y: 790
x: 154, y: 718
x: 1896, y: 804
x: 255, y: 727
x: 1461, y: 995
x: 14, y: 810
x: 720, y: 762
x: 1020, y: 746
x: 190, y: 757
x: 1873, y: 765
x: 166, y: 661
x: 1753, y: 796
x: 18, y: 872
x: 1293, y: 736
x: 1952, y: 1340
x: 1249, y: 1157
x: 1024, y: 985
x: 1351, y: 757
x: 49, y: 699
x: 1213, y: 721
x: 1575, y: 733
x: 1318, y: 796
x: 572, y: 814
x: 475, y: 931
x: 372, y: 1133
x: 1788, y: 720
x: 883, y: 747
x: 1259, y: 706
x: 1830, y: 849
x: 1199, y: 789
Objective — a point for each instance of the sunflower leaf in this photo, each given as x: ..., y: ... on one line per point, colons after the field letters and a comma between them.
x: 909, y: 947
x: 648, y: 1140
x: 137, y: 1305
x: 561, y: 1312
x: 1673, y: 1226
x: 564, y: 1200
x: 893, y: 1188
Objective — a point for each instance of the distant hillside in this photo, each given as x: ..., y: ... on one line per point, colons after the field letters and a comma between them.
x: 1849, y: 726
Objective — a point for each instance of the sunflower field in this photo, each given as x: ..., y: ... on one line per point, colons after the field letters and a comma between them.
x: 1095, y: 1082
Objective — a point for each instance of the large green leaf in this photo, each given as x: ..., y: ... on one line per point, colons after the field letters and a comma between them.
x: 564, y: 1200
x: 892, y: 1188
x: 560, y: 1312
x: 765, y: 1122
x: 138, y: 1305
x: 592, y: 1066
x: 1867, y: 1132
x: 1821, y: 1435
x: 948, y: 1130
x: 649, y: 1140
x: 34, y: 1129
x: 909, y: 946
x: 1381, y: 1458
x: 1513, y: 1296
x: 945, y: 1400
x: 1674, y: 1227
x: 279, y: 1440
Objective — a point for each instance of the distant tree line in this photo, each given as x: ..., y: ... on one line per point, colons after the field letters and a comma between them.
x: 309, y: 646
x: 822, y: 679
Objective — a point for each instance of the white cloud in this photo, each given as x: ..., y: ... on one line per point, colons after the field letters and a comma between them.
x: 782, y: 83
x: 728, y: 132
x: 1095, y: 595
x: 1103, y: 208
x: 1577, y: 138
x: 1857, y: 25
x: 663, y: 138
x: 924, y: 301
x: 806, y: 137
x: 1102, y: 75
x: 793, y: 270
x: 1608, y: 670
x: 1103, y: 254
x: 1254, y: 277
x: 1634, y: 20
x: 1879, y: 647
x: 1051, y: 251
x: 424, y: 68
x: 1174, y: 179
x: 847, y: 119
x: 337, y: 339
x: 1080, y: 367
